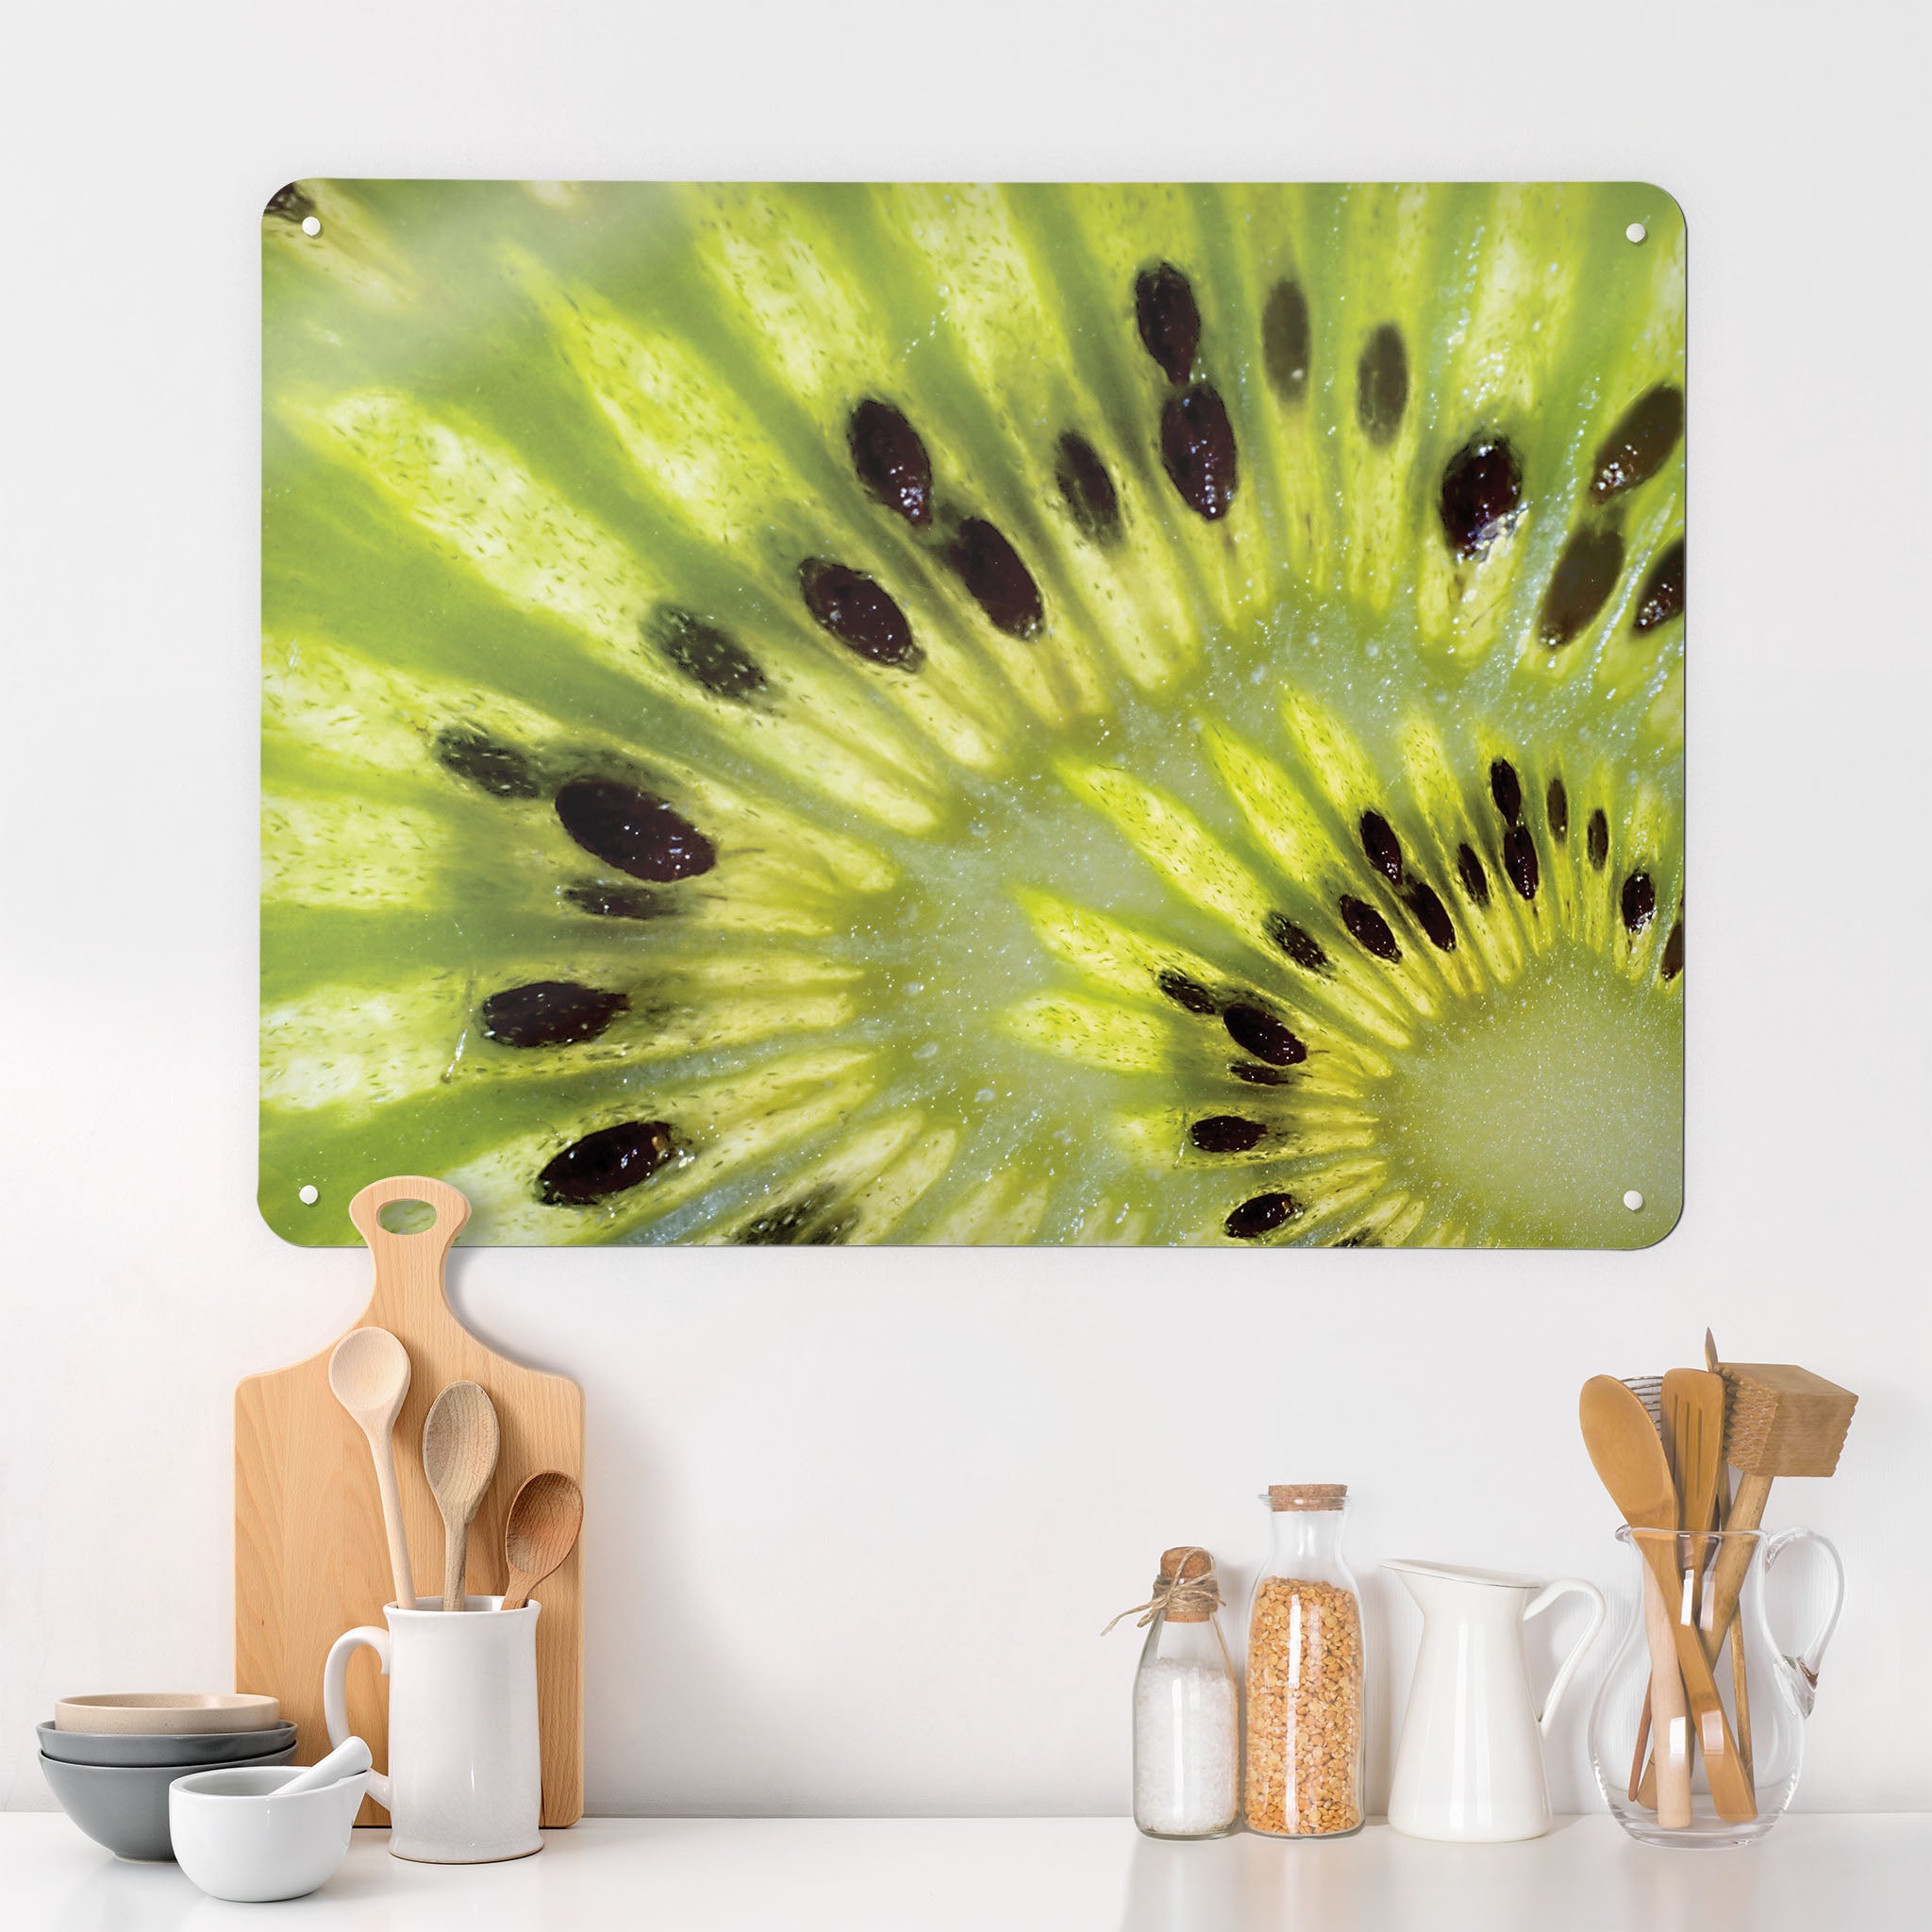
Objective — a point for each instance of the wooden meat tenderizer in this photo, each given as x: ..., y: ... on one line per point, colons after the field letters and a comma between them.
x: 1778, y: 1421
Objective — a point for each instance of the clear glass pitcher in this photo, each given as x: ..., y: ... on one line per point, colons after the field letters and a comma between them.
x: 1697, y: 1732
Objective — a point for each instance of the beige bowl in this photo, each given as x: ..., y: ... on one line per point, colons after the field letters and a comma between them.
x: 172, y: 1714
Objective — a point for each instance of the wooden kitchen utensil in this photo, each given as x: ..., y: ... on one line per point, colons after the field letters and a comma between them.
x: 459, y: 1445
x: 369, y: 1373
x: 1631, y: 1464
x: 1693, y: 1440
x: 541, y: 1533
x: 1780, y: 1420
x: 1665, y: 1713
x: 1716, y: 1629
x: 311, y: 1557
x: 1690, y: 1419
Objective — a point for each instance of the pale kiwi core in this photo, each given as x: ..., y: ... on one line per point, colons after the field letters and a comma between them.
x: 1551, y: 1102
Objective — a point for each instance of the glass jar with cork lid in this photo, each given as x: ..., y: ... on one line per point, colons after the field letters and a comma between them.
x: 1305, y: 1673
x: 1186, y: 1706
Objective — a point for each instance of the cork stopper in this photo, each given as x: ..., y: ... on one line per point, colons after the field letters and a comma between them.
x: 1307, y: 1496
x: 1184, y: 1563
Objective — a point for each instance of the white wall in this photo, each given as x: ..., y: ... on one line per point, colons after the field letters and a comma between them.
x: 859, y: 1517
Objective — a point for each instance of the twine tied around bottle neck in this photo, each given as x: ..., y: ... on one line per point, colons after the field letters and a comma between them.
x: 1186, y: 1590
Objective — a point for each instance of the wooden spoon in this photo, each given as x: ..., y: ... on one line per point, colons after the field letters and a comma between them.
x: 459, y: 1443
x: 369, y: 1373
x: 1630, y: 1462
x: 541, y: 1532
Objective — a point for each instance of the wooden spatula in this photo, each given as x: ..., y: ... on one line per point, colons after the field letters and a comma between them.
x: 1694, y: 1434
x: 1631, y: 1464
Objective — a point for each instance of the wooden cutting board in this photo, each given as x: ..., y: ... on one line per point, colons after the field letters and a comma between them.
x: 311, y: 1557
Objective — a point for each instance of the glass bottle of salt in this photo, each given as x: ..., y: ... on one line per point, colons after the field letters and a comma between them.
x: 1186, y: 1707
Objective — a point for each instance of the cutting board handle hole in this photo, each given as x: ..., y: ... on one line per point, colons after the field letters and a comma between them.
x: 407, y: 1216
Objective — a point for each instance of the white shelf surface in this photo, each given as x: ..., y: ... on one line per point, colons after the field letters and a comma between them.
x: 1862, y: 1873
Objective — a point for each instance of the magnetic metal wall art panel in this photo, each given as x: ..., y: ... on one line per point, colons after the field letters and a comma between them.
x: 976, y: 715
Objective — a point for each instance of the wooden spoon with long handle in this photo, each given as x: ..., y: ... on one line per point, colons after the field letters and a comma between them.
x: 460, y: 1445
x: 369, y: 1373
x: 1631, y: 1464
x: 541, y: 1532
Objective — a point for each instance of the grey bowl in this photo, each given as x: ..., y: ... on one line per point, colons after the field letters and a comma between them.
x: 188, y: 1751
x: 125, y: 1806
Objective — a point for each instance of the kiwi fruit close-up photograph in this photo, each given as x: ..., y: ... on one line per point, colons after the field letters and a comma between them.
x: 962, y: 715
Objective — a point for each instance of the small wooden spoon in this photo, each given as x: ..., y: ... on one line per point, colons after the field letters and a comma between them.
x: 1630, y: 1462
x: 369, y: 1373
x: 542, y: 1531
x: 459, y: 1443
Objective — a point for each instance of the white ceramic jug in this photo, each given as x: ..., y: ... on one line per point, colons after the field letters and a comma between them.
x: 1470, y: 1766
x: 465, y: 1775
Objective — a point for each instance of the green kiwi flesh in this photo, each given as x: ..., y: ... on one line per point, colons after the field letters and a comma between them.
x: 933, y: 714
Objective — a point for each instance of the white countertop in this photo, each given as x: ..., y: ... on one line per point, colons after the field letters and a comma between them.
x: 1863, y: 1874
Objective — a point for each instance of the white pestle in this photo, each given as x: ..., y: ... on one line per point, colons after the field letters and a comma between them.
x: 345, y: 1760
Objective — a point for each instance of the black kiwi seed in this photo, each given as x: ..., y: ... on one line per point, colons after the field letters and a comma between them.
x: 633, y: 831
x: 549, y: 1012
x: 1263, y: 1036
x: 1431, y: 915
x: 1285, y: 340
x: 1640, y: 902
x: 1261, y: 1215
x: 1170, y: 322
x: 1598, y: 838
x: 1300, y: 945
x: 1380, y: 843
x: 1557, y: 809
x: 892, y: 460
x: 797, y: 1223
x: 1226, y: 1133
x: 1674, y: 951
x: 1482, y: 494
x: 708, y: 657
x: 1638, y: 446
x: 1469, y: 869
x: 1662, y: 596
x: 1585, y: 576
x: 1519, y: 860
x: 1381, y: 384
x: 1362, y: 1238
x: 1187, y: 994
x: 1258, y: 1075
x: 603, y: 901
x: 1506, y: 789
x: 1000, y: 584
x: 1369, y: 929
x: 289, y: 203
x: 1087, y: 489
x: 1197, y: 450
x: 605, y: 1163
x: 487, y: 762
x: 859, y: 612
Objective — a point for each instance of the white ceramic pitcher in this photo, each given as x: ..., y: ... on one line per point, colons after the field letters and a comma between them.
x: 465, y: 1777
x: 1470, y: 1766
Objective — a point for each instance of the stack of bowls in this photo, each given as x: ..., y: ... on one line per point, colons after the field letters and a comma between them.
x: 109, y: 1759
